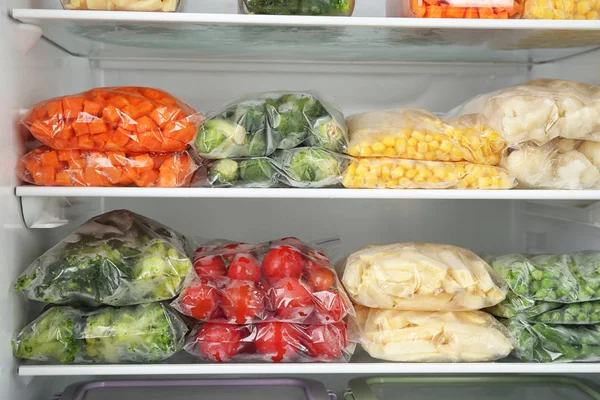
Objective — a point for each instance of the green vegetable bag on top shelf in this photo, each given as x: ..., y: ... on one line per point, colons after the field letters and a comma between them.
x: 118, y: 258
x: 297, y: 7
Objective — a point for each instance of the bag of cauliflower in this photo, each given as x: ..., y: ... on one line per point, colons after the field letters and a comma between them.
x: 559, y: 164
x: 421, y: 336
x: 421, y: 277
x: 540, y: 110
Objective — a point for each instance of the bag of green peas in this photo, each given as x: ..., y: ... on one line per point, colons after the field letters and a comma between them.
x: 514, y: 305
x: 586, y: 313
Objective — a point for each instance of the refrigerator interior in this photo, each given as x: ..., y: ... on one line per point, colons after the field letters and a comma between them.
x: 33, y: 69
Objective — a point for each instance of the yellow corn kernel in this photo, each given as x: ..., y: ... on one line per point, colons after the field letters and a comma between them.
x: 400, y: 145
x: 371, y: 179
x: 446, y: 146
x: 397, y: 172
x: 366, y: 151
x: 389, y: 141
x: 411, y: 153
x: 418, y: 136
x: 411, y: 173
x: 389, y: 152
x: 434, y: 145
x: 579, y: 16
x: 375, y: 171
x: 386, y: 172
x: 428, y: 138
x: 358, y: 182
x: 351, y: 169
x: 422, y: 147
x: 484, y: 182
x: 430, y: 156
x: 592, y: 15
x: 378, y: 147
x: 362, y: 170
x: 412, y: 142
x: 394, y: 183
x: 419, y: 156
x: 354, y: 151
x: 583, y: 7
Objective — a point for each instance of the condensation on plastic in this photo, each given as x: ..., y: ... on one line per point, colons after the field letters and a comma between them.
x: 46, y: 167
x: 271, y: 342
x: 120, y: 5
x: 257, y: 124
x: 586, y: 313
x: 118, y: 258
x: 421, y: 277
x: 420, y: 336
x: 132, y: 119
x: 561, y: 9
x: 540, y: 110
x: 302, y: 7
x: 394, y: 173
x: 484, y: 9
x: 306, y: 290
x: 538, y: 342
x: 563, y: 278
x: 420, y: 135
x: 515, y: 305
x: 310, y: 167
x: 257, y: 172
x: 135, y: 334
x: 559, y: 164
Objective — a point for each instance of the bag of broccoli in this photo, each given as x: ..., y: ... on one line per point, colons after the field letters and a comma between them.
x: 135, y: 334
x: 310, y: 167
x: 244, y: 172
x: 118, y: 258
x: 515, y: 305
x: 258, y: 124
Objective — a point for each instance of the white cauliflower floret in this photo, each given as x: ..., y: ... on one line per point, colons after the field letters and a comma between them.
x: 574, y: 171
x: 530, y: 165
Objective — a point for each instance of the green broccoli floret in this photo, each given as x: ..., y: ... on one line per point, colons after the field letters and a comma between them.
x: 328, y: 134
x: 257, y: 171
x: 217, y: 136
x: 257, y: 145
x: 313, y: 165
x: 223, y: 172
x: 51, y: 337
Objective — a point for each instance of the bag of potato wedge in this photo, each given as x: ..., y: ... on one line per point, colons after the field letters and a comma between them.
x: 423, y: 336
x: 421, y: 277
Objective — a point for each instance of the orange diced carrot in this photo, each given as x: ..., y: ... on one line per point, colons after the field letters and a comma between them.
x: 121, y: 137
x: 99, y: 141
x: 65, y: 155
x: 145, y: 108
x: 65, y: 132
x: 63, y: 178
x: 486, y: 13
x: 434, y: 12
x: 159, y: 159
x: 93, y: 177
x: 85, y: 142
x: 147, y: 178
x: 44, y: 176
x: 117, y: 159
x: 32, y: 165
x: 126, y: 178
x: 168, y: 101
x: 174, y: 171
x: 49, y: 159
x: 77, y: 163
x: 119, y: 102
x: 112, y: 174
x: 55, y: 108
x: 92, y: 108
x: 135, y: 100
x: 111, y: 114
x: 39, y: 129
x: 130, y: 111
x: 97, y: 126
x: 502, y: 15
x: 81, y: 128
x: 72, y: 106
x: 146, y: 124
x: 471, y: 13
x: 152, y: 94
x: 455, y: 12
x: 142, y: 162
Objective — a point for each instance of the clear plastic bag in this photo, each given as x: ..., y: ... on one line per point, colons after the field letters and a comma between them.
x: 302, y: 7
x: 484, y: 9
x: 538, y: 342
x: 131, y: 119
x: 394, y: 173
x: 136, y: 334
x: 419, y: 336
x: 310, y: 167
x: 242, y: 172
x: 257, y: 124
x: 421, y: 277
x: 46, y: 167
x: 586, y: 313
x: 563, y: 278
x: 118, y: 258
x: 120, y: 5
x: 271, y: 342
x: 559, y: 164
x: 540, y: 110
x: 515, y: 305
x: 561, y: 9
x: 420, y: 135
x: 283, y: 281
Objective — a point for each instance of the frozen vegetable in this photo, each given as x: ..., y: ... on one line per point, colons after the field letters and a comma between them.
x: 135, y: 334
x: 585, y: 313
x: 515, y: 305
x: 558, y: 164
x: 46, y: 167
x: 297, y: 7
x: 420, y: 135
x: 118, y: 258
x: 421, y: 277
x: 393, y: 173
x: 122, y: 5
x: 310, y: 167
x: 257, y: 124
x: 563, y: 278
x: 420, y: 336
x: 538, y: 342
x: 540, y: 111
x: 132, y: 119
x: 489, y: 9
x: 561, y: 9
x: 282, y: 281
x: 249, y: 172
x: 270, y: 342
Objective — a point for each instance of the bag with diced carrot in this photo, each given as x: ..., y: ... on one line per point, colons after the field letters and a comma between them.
x: 46, y: 167
x: 131, y: 119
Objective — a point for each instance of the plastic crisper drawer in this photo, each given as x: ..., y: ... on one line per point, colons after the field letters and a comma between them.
x: 470, y: 388
x: 194, y: 389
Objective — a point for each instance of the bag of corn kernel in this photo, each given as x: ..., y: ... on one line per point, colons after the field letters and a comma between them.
x: 561, y: 9
x: 394, y: 173
x: 420, y: 135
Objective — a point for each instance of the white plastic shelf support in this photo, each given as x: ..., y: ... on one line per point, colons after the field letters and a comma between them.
x: 52, y: 212
x: 580, y: 211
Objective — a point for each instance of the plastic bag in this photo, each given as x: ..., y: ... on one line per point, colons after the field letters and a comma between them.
x: 310, y: 167
x: 118, y: 258
x: 303, y: 7
x: 420, y: 135
x: 541, y: 110
x: 120, y: 5
x: 284, y: 281
x: 135, y: 334
x: 421, y: 277
x: 585, y: 313
x: 537, y: 342
x: 559, y: 164
x: 561, y: 9
x: 46, y: 167
x: 515, y: 305
x: 271, y: 342
x: 243, y: 172
x: 488, y: 9
x: 419, y: 336
x: 132, y: 119
x: 257, y: 124
x: 563, y: 278
x: 393, y: 173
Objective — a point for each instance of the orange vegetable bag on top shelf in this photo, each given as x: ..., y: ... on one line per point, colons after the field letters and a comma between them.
x: 132, y: 119
x: 46, y: 167
x: 483, y: 9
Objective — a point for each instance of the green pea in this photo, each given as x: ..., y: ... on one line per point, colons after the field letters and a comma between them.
x: 569, y: 318
x: 590, y: 290
x: 595, y: 317
x: 582, y: 318
x: 574, y: 309
x: 541, y: 293
x: 521, y: 289
x: 555, y: 316
x: 535, y: 286
x: 547, y: 283
x: 537, y: 274
x: 587, y: 307
x: 552, y: 295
